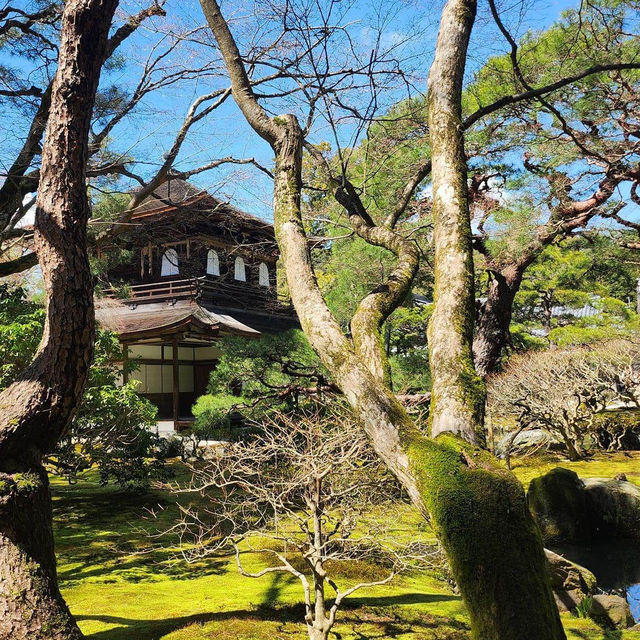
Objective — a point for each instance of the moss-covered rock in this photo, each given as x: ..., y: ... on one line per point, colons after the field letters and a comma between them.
x: 569, y: 509
x: 611, y: 611
x: 614, y: 507
x: 558, y: 503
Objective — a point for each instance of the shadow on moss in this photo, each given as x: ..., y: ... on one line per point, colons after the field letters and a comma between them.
x: 384, y: 622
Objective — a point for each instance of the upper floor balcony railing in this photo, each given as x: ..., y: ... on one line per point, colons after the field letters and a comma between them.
x: 212, y: 290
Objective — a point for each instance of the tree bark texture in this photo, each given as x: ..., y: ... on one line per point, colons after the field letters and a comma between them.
x: 506, y: 532
x: 494, y: 320
x: 36, y: 409
x: 457, y: 400
x: 477, y: 509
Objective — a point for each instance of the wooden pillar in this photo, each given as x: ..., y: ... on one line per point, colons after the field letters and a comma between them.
x: 176, y: 384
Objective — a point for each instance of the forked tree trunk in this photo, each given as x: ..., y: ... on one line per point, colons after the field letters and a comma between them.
x: 36, y: 409
x: 477, y: 509
x: 492, y: 326
x: 494, y: 547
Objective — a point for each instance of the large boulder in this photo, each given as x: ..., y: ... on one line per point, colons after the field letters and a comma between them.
x: 558, y: 503
x: 614, y: 507
x: 570, y: 582
x: 526, y: 440
x: 568, y: 509
x: 611, y: 611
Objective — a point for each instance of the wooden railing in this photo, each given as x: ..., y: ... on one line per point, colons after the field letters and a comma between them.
x: 174, y: 289
x: 212, y: 290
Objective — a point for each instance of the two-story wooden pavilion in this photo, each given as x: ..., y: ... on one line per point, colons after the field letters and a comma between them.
x: 196, y: 269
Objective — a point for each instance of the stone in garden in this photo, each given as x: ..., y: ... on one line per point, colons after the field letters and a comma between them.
x: 569, y: 509
x: 526, y: 440
x: 571, y: 583
x: 557, y: 501
x: 567, y: 575
x: 612, y: 611
x: 614, y: 507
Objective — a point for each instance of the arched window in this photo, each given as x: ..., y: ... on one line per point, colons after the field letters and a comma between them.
x: 169, y: 263
x: 263, y: 275
x: 240, y: 272
x: 213, y: 263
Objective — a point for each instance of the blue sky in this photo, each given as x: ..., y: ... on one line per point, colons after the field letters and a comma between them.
x: 149, y: 133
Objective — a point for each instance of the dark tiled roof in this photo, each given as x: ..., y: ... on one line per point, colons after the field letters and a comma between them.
x: 177, y: 194
x: 173, y: 193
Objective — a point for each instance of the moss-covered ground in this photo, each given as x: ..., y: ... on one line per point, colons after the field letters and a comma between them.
x: 602, y: 465
x: 121, y: 591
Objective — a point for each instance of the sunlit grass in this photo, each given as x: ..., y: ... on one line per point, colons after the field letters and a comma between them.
x: 121, y: 591
x: 603, y: 465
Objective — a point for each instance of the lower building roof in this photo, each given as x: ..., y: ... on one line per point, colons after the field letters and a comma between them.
x: 167, y: 319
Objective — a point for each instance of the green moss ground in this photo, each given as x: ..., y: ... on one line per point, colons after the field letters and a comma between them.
x: 604, y: 465
x: 120, y: 592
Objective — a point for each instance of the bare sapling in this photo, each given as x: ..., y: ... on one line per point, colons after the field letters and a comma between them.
x: 300, y: 498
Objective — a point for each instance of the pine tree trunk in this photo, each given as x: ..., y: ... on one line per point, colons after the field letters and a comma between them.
x: 492, y: 326
x: 36, y: 409
x: 31, y: 606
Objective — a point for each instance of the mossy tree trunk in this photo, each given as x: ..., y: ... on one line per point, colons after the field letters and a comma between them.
x: 477, y: 509
x: 37, y: 408
x: 501, y: 569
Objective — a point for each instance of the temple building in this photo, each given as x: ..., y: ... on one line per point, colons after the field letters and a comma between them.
x: 190, y: 269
